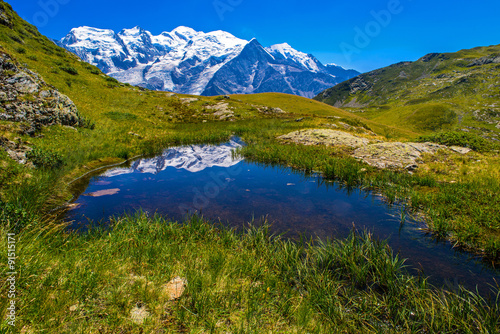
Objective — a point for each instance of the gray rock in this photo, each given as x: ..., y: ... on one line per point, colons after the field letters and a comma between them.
x: 31, y: 100
x: 461, y: 150
x: 23, y: 83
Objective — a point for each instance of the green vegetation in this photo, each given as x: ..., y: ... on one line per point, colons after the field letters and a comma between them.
x: 432, y: 117
x: 44, y: 159
x: 463, y: 139
x: 69, y: 69
x: 464, y: 211
x: 120, y: 116
x: 449, y: 91
x: 248, y: 282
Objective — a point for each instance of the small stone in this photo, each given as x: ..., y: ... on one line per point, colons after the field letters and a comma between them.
x: 135, y: 135
x: 139, y: 313
x: 175, y: 288
x: 411, y: 167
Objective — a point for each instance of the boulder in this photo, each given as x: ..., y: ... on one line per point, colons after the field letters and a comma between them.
x: 27, y: 98
x: 324, y: 137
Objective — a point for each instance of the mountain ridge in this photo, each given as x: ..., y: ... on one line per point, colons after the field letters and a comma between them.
x: 439, y: 91
x: 186, y: 61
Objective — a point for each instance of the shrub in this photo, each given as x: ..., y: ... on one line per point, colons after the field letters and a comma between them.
x: 21, y: 50
x: 34, y: 58
x: 16, y: 38
x: 44, y: 159
x: 69, y: 69
x: 113, y: 80
x: 95, y: 71
x: 86, y: 123
x: 464, y: 139
x: 14, y: 217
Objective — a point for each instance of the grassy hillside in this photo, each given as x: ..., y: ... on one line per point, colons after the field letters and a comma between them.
x: 437, y: 92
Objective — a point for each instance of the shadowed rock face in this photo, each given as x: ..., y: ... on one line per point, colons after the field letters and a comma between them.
x: 26, y: 97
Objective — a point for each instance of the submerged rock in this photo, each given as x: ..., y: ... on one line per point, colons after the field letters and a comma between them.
x: 106, y: 192
x: 324, y: 137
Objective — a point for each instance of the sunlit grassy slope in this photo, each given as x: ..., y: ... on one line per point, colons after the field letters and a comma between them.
x: 437, y: 92
x: 250, y: 283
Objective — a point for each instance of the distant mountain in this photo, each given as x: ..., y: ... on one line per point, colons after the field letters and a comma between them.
x: 192, y: 62
x: 438, y: 91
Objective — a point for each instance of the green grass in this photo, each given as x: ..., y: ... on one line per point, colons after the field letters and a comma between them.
x: 238, y: 282
x: 243, y: 283
x: 463, y: 139
x: 432, y: 117
x: 433, y: 93
x: 465, y: 211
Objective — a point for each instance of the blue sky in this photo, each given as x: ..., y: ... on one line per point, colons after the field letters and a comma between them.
x: 361, y: 34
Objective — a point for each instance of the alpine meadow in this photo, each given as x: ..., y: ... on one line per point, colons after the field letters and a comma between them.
x: 125, y: 126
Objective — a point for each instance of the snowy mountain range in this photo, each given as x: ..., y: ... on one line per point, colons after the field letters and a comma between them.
x: 193, y: 158
x: 193, y: 62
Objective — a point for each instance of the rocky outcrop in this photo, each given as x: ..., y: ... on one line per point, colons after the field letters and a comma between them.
x: 395, y: 155
x: 324, y: 137
x: 4, y: 19
x: 25, y: 97
x: 392, y: 155
x: 484, y: 61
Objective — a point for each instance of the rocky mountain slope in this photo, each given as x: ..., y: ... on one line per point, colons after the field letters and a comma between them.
x: 439, y: 91
x: 191, y: 62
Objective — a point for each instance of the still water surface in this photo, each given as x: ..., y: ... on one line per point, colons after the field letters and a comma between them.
x: 208, y: 180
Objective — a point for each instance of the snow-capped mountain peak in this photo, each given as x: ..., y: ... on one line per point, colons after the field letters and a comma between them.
x: 285, y: 51
x: 187, y: 61
x: 185, y: 32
